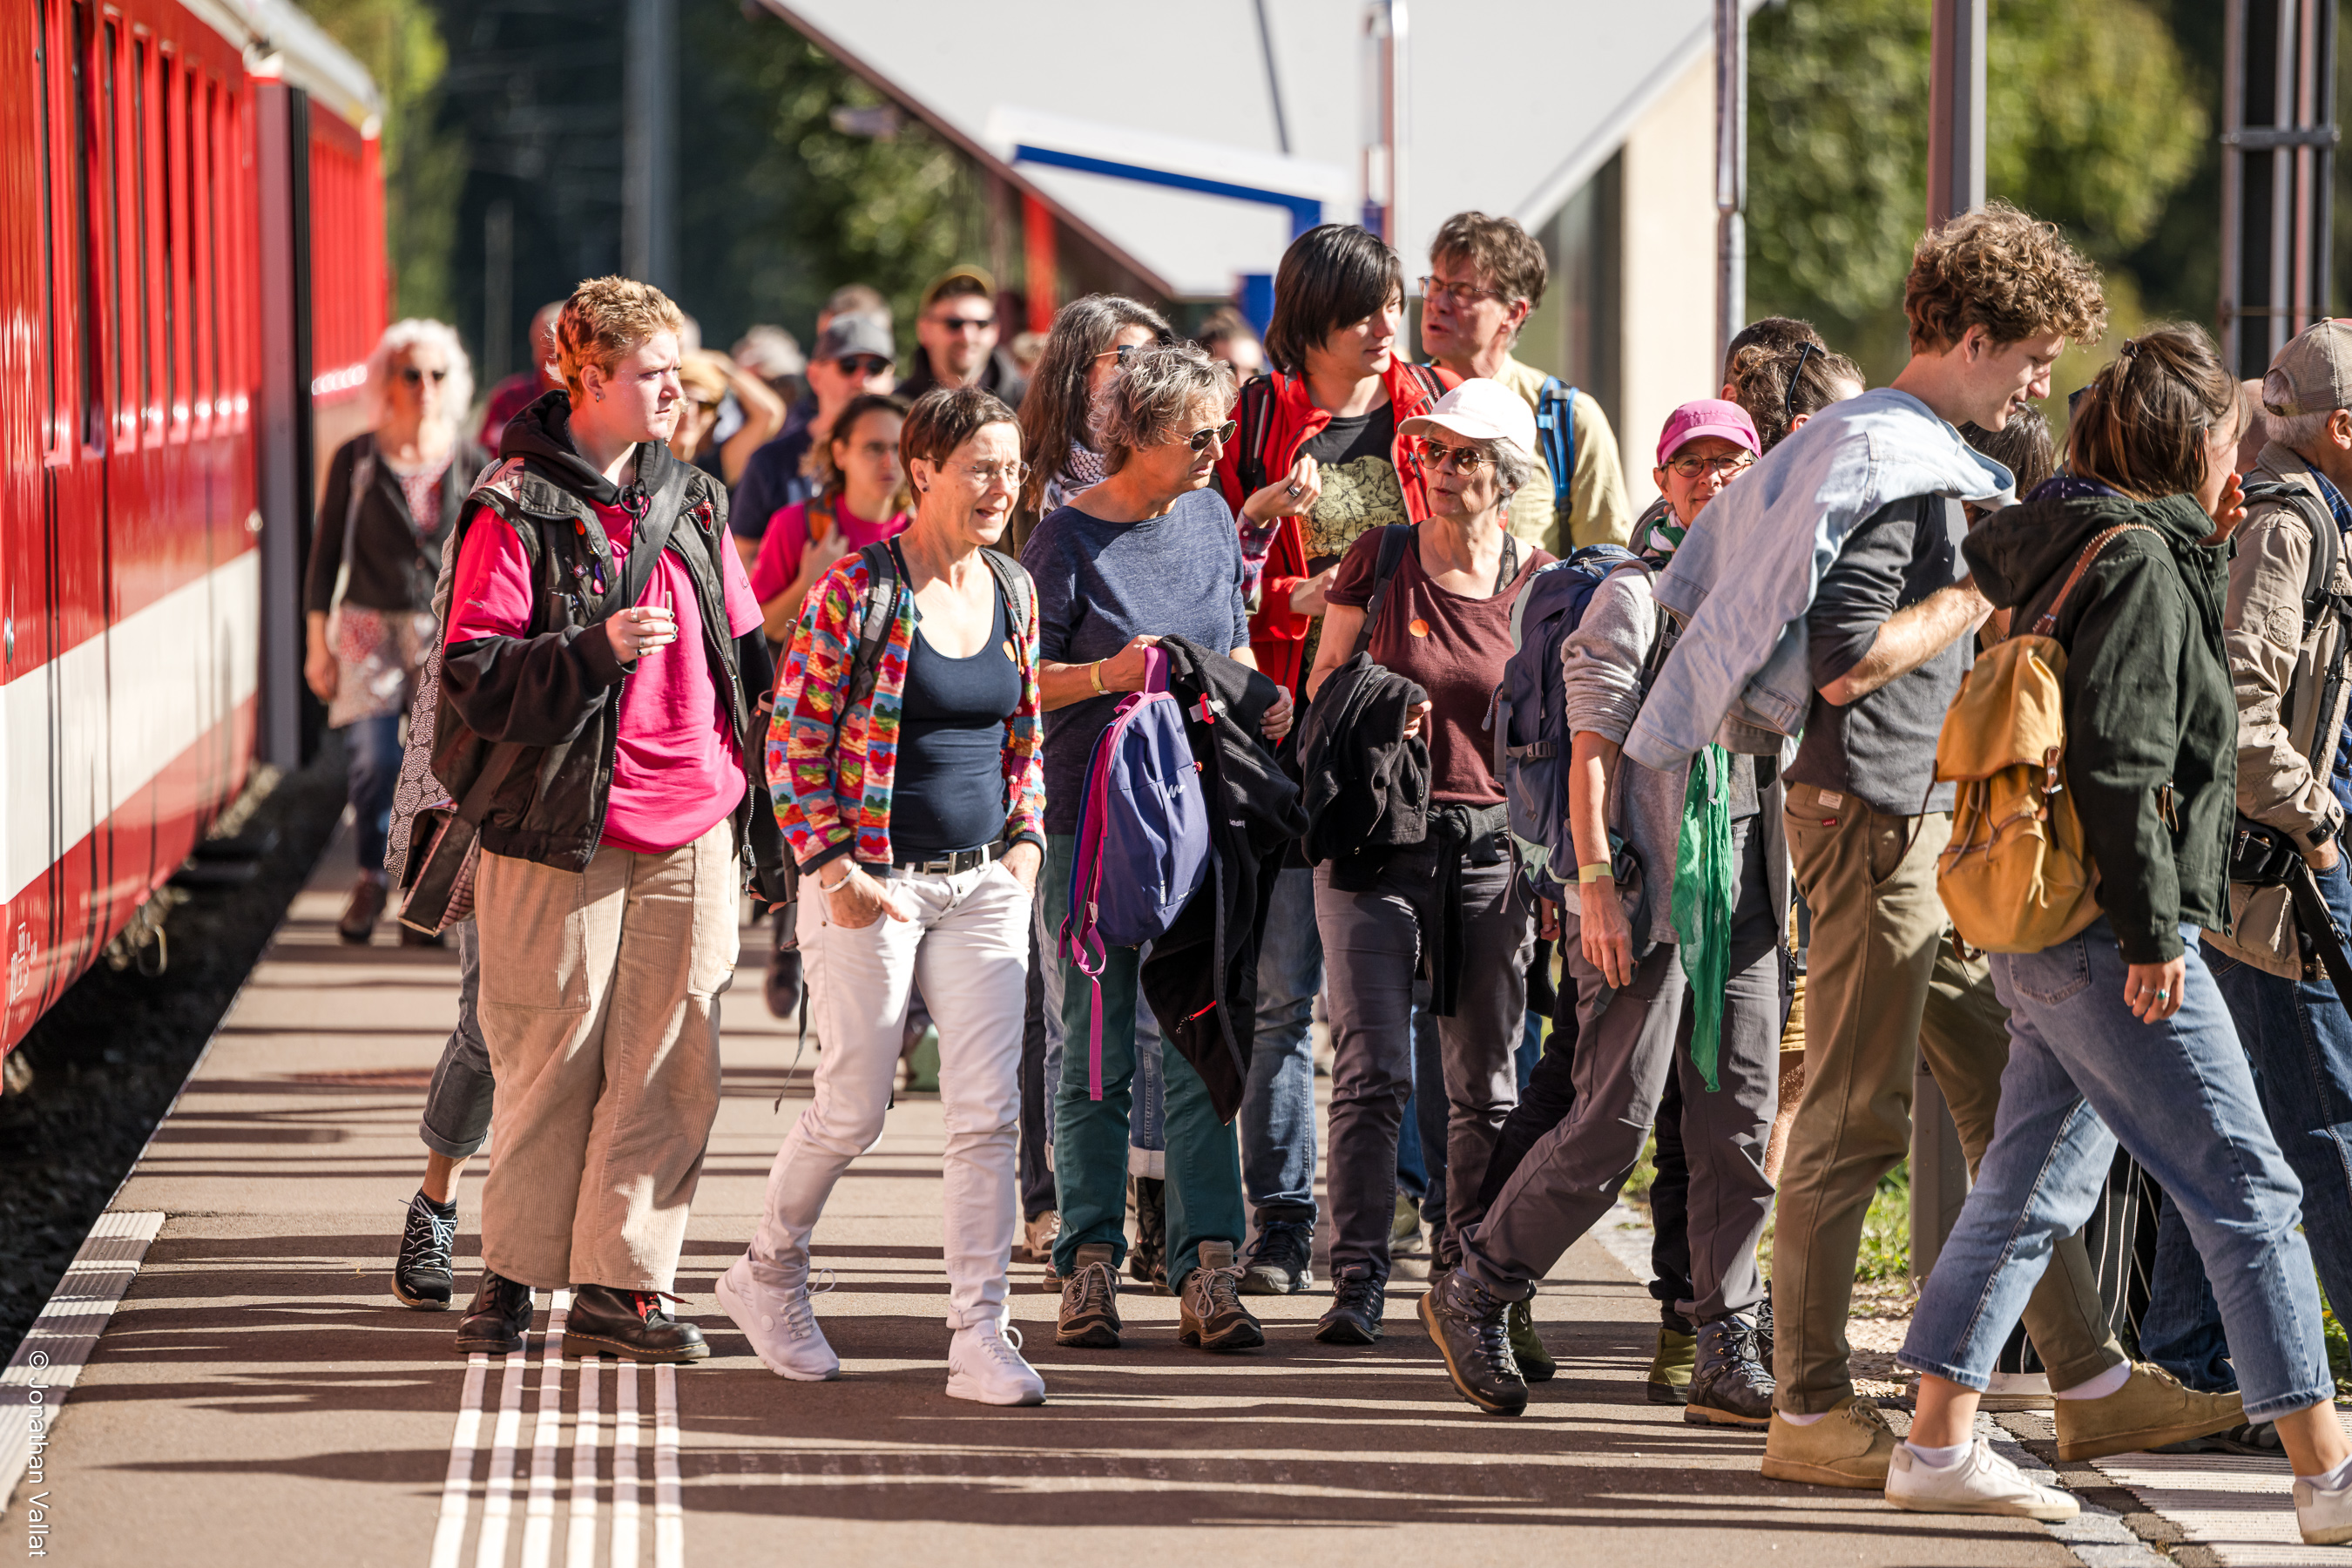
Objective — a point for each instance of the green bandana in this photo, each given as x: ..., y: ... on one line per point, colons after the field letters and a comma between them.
x: 1704, y: 875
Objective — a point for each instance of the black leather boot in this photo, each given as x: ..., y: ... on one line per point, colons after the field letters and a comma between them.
x: 1731, y: 1385
x: 630, y: 1324
x: 1468, y: 1324
x: 499, y: 1317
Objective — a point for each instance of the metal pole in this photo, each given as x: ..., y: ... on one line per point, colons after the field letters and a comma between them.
x: 1273, y: 80
x: 1730, y: 173
x: 649, y: 144
x: 2233, y: 176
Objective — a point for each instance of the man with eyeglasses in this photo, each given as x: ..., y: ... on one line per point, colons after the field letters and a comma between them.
x: 957, y: 330
x: 854, y: 356
x: 1486, y: 276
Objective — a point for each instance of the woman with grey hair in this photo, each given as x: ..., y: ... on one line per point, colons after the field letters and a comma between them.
x: 1438, y: 596
x: 392, y: 500
x: 1149, y: 552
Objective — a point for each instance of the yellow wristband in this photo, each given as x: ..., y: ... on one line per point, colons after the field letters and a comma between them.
x: 1596, y: 871
x: 1093, y: 672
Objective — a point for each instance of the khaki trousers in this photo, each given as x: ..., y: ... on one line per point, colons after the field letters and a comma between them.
x: 1883, y: 982
x: 600, y: 1006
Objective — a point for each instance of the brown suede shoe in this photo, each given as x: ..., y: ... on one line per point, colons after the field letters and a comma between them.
x: 1850, y: 1447
x: 2151, y: 1408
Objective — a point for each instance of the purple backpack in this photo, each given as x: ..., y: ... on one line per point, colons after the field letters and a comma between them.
x: 1143, y: 836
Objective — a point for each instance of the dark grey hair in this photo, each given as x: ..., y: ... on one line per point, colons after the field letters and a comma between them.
x: 1513, y: 468
x: 1148, y: 399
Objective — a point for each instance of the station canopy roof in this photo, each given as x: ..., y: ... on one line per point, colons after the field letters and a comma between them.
x: 1512, y: 105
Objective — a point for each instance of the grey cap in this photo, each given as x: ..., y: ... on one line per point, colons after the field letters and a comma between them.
x: 847, y: 335
x: 2312, y: 373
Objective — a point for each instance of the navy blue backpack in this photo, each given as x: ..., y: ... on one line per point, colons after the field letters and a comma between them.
x: 1528, y: 719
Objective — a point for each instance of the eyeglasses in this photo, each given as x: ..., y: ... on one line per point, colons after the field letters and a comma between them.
x: 1199, y: 439
x: 415, y: 377
x: 1462, y: 296
x: 986, y: 474
x: 1127, y: 352
x: 1466, y: 460
x: 1804, y: 352
x: 863, y: 366
x: 1692, y: 468
x: 967, y: 323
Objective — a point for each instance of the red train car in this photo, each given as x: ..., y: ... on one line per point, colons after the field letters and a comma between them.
x: 191, y: 275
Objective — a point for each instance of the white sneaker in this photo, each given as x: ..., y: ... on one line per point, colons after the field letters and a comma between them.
x: 780, y: 1323
x: 1982, y: 1482
x: 985, y: 1365
x: 2325, y: 1518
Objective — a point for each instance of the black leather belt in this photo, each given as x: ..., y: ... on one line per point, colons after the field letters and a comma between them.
x: 949, y: 865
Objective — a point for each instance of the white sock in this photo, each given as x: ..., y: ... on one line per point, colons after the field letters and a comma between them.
x: 1793, y: 1419
x: 2334, y: 1480
x: 1939, y: 1459
x: 2099, y: 1387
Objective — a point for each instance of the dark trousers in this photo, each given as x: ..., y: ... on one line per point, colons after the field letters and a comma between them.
x: 1035, y: 1175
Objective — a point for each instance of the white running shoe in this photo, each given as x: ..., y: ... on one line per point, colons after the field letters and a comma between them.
x: 1982, y: 1482
x: 780, y: 1323
x: 985, y: 1365
x: 2325, y: 1518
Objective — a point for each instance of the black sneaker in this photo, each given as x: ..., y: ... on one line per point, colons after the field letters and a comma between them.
x: 1282, y: 1260
x: 1359, y: 1297
x: 1089, y: 1315
x: 1536, y: 1365
x: 421, y: 1279
x: 631, y: 1324
x: 1147, y: 1263
x: 1466, y: 1324
x: 1730, y: 1387
x: 499, y: 1317
x: 1211, y: 1314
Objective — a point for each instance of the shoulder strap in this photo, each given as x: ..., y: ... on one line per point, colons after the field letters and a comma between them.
x: 651, y: 534
x: 2048, y: 625
x: 1394, y: 538
x: 884, y: 588
x: 2326, y: 543
x: 1257, y: 417
x: 1012, y: 583
x: 362, y: 480
x: 1555, y: 433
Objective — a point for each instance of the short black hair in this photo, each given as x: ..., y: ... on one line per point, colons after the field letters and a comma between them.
x: 946, y: 418
x: 1331, y: 277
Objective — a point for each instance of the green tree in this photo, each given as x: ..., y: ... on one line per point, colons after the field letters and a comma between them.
x: 2093, y: 120
x: 423, y: 165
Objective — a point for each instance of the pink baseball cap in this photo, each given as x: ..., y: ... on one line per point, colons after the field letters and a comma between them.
x: 1707, y: 417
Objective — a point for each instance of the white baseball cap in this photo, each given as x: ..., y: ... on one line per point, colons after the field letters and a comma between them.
x: 1479, y: 410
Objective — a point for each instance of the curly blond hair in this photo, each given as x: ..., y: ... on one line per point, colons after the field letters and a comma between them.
x: 603, y: 322
x: 2005, y: 271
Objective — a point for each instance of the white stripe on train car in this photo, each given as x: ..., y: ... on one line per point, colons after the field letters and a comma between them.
x: 121, y: 707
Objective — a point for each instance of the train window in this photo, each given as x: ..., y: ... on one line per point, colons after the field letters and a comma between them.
x: 87, y: 388
x: 140, y: 63
x: 110, y: 104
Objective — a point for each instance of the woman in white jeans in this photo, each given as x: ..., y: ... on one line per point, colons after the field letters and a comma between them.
x: 909, y: 785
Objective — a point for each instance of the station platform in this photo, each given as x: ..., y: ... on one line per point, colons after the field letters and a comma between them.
x: 226, y: 1377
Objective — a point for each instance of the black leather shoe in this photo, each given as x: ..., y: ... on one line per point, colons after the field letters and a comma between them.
x: 1536, y: 1365
x: 1729, y: 1386
x: 1359, y: 1297
x: 358, y: 924
x: 1466, y: 1324
x: 497, y: 1322
x: 627, y: 1323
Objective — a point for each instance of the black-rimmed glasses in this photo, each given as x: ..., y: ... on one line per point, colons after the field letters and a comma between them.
x: 1804, y: 352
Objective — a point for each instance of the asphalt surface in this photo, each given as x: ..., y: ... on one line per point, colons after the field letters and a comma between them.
x: 259, y: 1397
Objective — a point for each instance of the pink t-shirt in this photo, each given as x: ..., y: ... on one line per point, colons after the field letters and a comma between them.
x: 781, y: 547
x: 675, y: 775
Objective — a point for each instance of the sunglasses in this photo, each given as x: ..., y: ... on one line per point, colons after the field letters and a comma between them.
x: 1692, y: 468
x: 1199, y: 439
x: 1804, y: 352
x: 967, y: 323
x: 863, y: 366
x: 415, y: 377
x: 1466, y: 460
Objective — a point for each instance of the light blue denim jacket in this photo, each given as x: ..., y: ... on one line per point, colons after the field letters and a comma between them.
x: 1746, y: 576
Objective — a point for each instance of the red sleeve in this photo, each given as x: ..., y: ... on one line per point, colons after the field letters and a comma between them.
x: 779, y: 551
x: 489, y: 596
x: 1353, y: 585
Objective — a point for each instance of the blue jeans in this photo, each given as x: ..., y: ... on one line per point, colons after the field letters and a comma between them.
x: 2180, y: 1095
x: 1147, y: 1128
x: 1277, y: 1121
x: 456, y: 1121
x: 2181, y: 1330
x: 372, y: 749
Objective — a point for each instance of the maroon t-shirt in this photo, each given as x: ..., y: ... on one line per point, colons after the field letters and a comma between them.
x: 1452, y: 647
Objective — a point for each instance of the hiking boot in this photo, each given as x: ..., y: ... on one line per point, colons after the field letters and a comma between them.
x: 1359, y: 1297
x: 1039, y: 1235
x: 631, y: 1324
x: 1731, y: 1385
x: 1090, y: 1316
x: 1982, y: 1482
x: 2151, y: 1407
x: 1282, y: 1261
x: 780, y: 1321
x: 499, y: 1317
x: 1404, y: 1232
x: 985, y: 1365
x: 1466, y: 1324
x: 421, y: 1279
x: 1848, y: 1447
x: 358, y: 924
x: 1147, y: 1263
x: 1670, y: 1368
x: 2324, y: 1517
x: 1536, y: 1365
x: 1211, y: 1314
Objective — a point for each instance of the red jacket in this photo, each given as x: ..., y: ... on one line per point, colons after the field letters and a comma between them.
x: 1278, y: 637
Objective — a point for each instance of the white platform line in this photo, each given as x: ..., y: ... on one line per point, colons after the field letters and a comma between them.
x: 497, y: 1491
x: 625, y: 1465
x: 580, y: 1548
x: 669, y: 1512
x: 457, y: 1487
x: 61, y: 1340
x: 539, y: 1512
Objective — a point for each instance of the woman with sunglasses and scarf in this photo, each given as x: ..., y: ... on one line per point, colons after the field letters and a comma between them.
x: 1149, y: 553
x: 391, y: 497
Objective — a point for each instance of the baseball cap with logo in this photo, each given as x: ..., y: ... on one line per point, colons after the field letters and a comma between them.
x: 2312, y: 373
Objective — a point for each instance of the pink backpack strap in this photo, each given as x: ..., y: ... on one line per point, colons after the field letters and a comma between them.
x: 1155, y: 668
